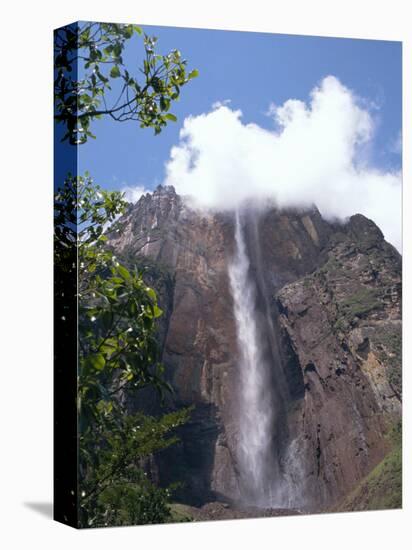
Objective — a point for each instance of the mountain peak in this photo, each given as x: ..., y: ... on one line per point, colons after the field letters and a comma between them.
x: 364, y: 231
x: 164, y: 190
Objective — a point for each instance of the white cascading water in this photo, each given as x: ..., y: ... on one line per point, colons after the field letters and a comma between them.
x: 256, y: 409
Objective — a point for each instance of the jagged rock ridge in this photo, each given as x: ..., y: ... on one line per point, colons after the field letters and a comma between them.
x: 334, y: 297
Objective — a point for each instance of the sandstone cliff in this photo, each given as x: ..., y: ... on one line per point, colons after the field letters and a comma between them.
x: 329, y: 297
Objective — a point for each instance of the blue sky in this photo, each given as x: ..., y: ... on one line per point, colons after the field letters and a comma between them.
x: 252, y: 70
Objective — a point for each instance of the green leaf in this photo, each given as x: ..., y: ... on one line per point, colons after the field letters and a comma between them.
x: 157, y: 312
x: 115, y: 72
x: 169, y: 116
x: 193, y: 74
x: 151, y: 292
x: 123, y: 272
x: 102, y: 77
x: 108, y: 348
x: 132, y: 309
x: 97, y: 361
x: 128, y: 32
x: 86, y: 98
x: 164, y: 103
x: 117, y: 49
x: 117, y: 280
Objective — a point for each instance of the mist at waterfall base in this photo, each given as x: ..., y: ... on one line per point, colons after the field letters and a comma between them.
x: 262, y: 385
x: 319, y: 152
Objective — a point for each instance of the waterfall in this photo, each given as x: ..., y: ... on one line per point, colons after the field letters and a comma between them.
x: 256, y: 409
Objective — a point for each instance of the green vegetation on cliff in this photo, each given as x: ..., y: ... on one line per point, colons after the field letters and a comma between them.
x: 382, y: 488
x: 360, y: 303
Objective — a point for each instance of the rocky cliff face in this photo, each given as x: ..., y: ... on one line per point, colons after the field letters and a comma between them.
x: 331, y: 294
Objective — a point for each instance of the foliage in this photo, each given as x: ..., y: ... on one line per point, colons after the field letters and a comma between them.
x: 115, y: 489
x: 96, y: 51
x: 389, y: 352
x: 360, y: 303
x: 117, y: 311
x: 117, y: 314
x: 180, y: 512
x: 382, y: 488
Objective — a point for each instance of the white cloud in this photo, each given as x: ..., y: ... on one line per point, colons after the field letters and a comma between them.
x: 133, y: 193
x: 223, y: 103
x: 315, y: 155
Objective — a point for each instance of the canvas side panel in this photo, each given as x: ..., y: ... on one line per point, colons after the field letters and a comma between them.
x: 65, y: 296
